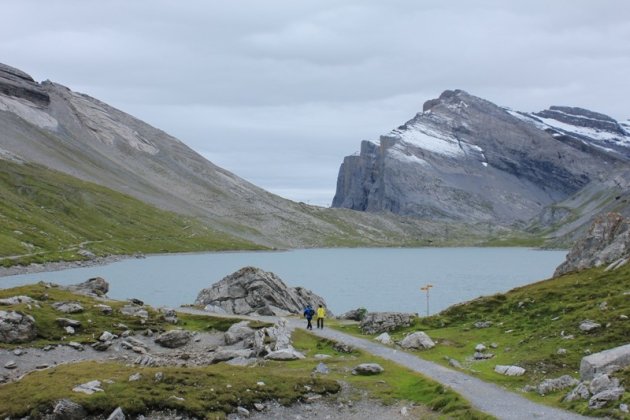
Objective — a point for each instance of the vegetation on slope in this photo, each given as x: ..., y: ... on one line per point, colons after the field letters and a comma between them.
x: 207, y: 391
x: 49, y: 216
x: 530, y: 325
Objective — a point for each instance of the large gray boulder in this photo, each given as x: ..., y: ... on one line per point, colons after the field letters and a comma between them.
x: 606, y: 361
x: 241, y: 331
x: 96, y: 286
x: 174, y: 338
x: 16, y: 327
x: 417, y: 340
x: 380, y: 322
x: 607, y: 241
x: 251, y: 290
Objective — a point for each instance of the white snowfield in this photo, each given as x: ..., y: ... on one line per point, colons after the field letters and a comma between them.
x: 28, y: 112
x: 426, y: 138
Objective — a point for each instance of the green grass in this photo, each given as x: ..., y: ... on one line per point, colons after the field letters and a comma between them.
x: 93, y: 321
x: 46, y: 216
x: 211, y: 391
x: 529, y: 326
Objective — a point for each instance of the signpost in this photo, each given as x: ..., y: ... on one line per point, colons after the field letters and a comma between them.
x: 426, y: 289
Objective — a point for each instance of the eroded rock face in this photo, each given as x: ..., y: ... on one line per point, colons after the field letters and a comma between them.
x: 254, y: 291
x: 16, y: 327
x: 379, y: 322
x: 607, y: 241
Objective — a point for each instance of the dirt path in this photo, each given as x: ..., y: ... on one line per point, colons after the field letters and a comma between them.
x: 486, y: 397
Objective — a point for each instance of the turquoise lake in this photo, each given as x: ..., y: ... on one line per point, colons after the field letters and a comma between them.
x: 379, y: 279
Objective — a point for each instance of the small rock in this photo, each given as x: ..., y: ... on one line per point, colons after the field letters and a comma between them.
x: 588, y: 325
x: 624, y: 408
x: 260, y: 383
x: 623, y: 317
x: 18, y: 352
x: 135, y: 377
x: 68, y: 410
x: 561, y: 351
x: 384, y: 338
x: 68, y: 307
x: 367, y: 369
x: 69, y: 330
x: 285, y: 354
x: 322, y: 369
x: 106, y: 336
x: 404, y: 411
x: 48, y: 347
x: 494, y: 345
x: 482, y: 356
x: 65, y: 322
x: 158, y: 377
x: 10, y: 364
x: 89, y: 388
x: 480, y: 347
x: 551, y: 385
x: 322, y: 356
x: 104, y: 309
x: 101, y: 345
x: 41, y: 366
x: 509, y: 370
x: 343, y: 348
x: 117, y: 414
x: 242, y: 411
x: 259, y: 406
x: 483, y: 324
x: 455, y: 363
x: 75, y: 345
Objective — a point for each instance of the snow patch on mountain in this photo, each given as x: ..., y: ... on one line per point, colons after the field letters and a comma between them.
x: 423, y: 137
x: 398, y: 152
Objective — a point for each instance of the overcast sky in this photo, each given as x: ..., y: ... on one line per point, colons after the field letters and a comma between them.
x: 279, y: 92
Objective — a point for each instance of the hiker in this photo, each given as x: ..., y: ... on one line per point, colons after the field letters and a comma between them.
x: 321, y: 314
x: 308, y: 314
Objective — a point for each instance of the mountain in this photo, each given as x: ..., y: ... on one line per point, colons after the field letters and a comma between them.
x: 49, y: 125
x: 465, y: 158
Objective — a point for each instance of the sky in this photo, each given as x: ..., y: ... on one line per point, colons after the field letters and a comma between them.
x: 278, y: 92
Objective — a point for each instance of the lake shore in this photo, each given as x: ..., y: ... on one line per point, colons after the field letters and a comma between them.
x: 61, y: 265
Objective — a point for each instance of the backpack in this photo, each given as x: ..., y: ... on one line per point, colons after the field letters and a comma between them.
x: 309, y: 312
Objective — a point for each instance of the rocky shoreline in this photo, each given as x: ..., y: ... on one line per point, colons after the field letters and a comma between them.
x: 62, y: 265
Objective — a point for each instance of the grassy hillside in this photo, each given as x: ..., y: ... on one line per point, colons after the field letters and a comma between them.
x: 530, y: 325
x: 49, y: 216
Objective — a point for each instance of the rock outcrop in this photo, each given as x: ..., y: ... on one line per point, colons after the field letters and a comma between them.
x: 607, y: 241
x: 16, y: 327
x: 96, y: 286
x: 254, y: 291
x: 380, y: 322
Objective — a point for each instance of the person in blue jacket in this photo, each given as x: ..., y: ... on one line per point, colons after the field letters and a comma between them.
x: 308, y: 314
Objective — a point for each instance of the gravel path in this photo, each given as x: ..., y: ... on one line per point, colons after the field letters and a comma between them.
x: 486, y: 397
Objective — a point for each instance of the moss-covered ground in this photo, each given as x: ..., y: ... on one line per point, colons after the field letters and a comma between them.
x: 530, y: 325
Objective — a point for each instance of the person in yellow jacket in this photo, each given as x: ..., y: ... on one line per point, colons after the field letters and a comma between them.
x: 321, y: 314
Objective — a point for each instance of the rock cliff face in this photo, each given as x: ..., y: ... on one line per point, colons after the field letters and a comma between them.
x: 464, y: 158
x: 254, y: 291
x: 606, y: 242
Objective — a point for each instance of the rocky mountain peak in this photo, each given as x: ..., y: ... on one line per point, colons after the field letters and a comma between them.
x: 580, y: 117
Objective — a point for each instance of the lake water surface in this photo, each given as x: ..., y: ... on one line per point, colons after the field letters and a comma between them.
x: 380, y: 279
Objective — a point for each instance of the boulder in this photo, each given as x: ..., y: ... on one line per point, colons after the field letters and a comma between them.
x: 66, y: 322
x: 240, y: 331
x: 16, y: 327
x: 602, y: 383
x: 601, y: 399
x: 607, y: 241
x: 104, y: 309
x: 552, y: 385
x: 102, y: 345
x: 134, y: 310
x: 68, y: 410
x: 580, y: 392
x: 174, y: 338
x: 96, y: 286
x: 280, y: 334
x: 417, y: 340
x: 509, y: 370
x: 368, y: 369
x: 251, y: 290
x: 224, y: 354
x: 606, y: 361
x: 354, y: 314
x: 169, y: 315
x: 384, y: 339
x: 379, y: 322
x: 68, y: 307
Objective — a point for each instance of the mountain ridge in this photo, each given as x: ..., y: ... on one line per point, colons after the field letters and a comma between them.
x: 465, y: 158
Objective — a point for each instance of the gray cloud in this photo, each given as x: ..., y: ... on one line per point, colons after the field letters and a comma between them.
x: 278, y: 91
